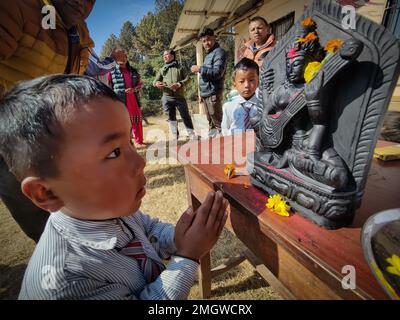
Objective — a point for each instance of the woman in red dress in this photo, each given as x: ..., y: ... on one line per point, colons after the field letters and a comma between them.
x: 126, y: 83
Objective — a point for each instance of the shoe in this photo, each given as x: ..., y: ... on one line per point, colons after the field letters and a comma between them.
x: 191, y: 134
x: 213, y: 133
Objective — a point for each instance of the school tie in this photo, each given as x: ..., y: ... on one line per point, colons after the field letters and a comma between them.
x: 247, y: 107
x: 150, y: 268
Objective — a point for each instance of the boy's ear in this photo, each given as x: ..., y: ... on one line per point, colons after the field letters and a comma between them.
x: 37, y: 190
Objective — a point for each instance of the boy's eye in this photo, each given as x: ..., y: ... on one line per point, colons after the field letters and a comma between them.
x: 114, y: 154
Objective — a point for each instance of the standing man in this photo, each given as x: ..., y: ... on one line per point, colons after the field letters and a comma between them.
x: 171, y: 79
x: 261, y: 42
x: 212, y: 74
x: 27, y: 51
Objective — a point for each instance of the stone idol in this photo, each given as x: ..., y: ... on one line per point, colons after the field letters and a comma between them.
x: 324, y: 91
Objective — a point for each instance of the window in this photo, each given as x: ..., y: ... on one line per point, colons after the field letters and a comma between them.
x: 391, y: 18
x: 282, y: 25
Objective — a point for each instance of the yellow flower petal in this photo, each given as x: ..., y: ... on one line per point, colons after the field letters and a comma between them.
x: 383, y: 280
x: 394, y: 261
x: 273, y: 201
x: 229, y: 170
x: 311, y: 69
x: 278, y: 205
x: 282, y: 209
x: 393, y: 270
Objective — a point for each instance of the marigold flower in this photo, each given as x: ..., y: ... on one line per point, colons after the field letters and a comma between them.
x: 309, y: 37
x: 333, y: 45
x: 229, y: 170
x: 308, y: 22
x: 394, y: 267
x: 311, y: 69
x: 282, y: 209
x: 273, y: 201
x: 278, y: 205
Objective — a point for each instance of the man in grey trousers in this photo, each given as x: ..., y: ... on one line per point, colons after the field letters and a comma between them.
x: 171, y: 80
x: 212, y: 74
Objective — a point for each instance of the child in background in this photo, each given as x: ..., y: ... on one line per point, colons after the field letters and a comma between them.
x: 67, y: 138
x: 261, y: 42
x: 237, y: 112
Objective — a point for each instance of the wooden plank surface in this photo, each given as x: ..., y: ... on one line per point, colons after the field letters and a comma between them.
x: 324, y: 252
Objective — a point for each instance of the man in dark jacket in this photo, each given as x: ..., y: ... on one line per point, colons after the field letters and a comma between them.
x: 211, y: 83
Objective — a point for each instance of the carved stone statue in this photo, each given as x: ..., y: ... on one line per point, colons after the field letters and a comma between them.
x: 324, y: 91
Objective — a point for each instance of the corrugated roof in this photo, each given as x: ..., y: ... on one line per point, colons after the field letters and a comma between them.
x: 215, y: 14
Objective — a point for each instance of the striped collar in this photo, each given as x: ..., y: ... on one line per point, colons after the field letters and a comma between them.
x: 253, y: 100
x: 102, y: 235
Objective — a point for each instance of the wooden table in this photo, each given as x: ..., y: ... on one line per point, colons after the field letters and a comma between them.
x: 298, y: 258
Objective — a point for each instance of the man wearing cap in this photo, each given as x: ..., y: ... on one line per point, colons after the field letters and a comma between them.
x: 211, y: 83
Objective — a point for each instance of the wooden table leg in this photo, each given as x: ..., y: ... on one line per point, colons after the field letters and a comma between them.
x: 205, y: 276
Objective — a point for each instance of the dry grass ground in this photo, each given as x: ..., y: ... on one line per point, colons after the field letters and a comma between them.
x: 165, y: 199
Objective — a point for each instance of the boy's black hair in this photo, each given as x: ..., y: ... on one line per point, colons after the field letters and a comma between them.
x: 32, y: 116
x: 245, y: 64
x: 259, y: 18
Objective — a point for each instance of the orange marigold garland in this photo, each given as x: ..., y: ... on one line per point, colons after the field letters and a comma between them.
x: 309, y: 37
x: 308, y: 22
x: 333, y: 45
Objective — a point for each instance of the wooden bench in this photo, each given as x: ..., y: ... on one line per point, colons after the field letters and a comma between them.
x: 299, y: 259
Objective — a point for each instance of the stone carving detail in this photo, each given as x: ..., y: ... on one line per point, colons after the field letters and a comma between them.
x: 324, y: 91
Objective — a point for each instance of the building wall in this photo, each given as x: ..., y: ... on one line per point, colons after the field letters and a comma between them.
x: 274, y: 9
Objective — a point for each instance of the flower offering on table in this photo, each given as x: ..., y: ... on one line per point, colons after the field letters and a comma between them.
x: 278, y: 205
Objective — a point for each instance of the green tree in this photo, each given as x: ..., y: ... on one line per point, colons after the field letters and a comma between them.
x: 168, y: 12
x: 162, y: 4
x: 227, y: 42
x: 110, y: 44
x: 148, y: 40
x: 125, y: 41
x: 155, y: 31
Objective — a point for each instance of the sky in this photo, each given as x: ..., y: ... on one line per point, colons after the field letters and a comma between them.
x: 108, y: 16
